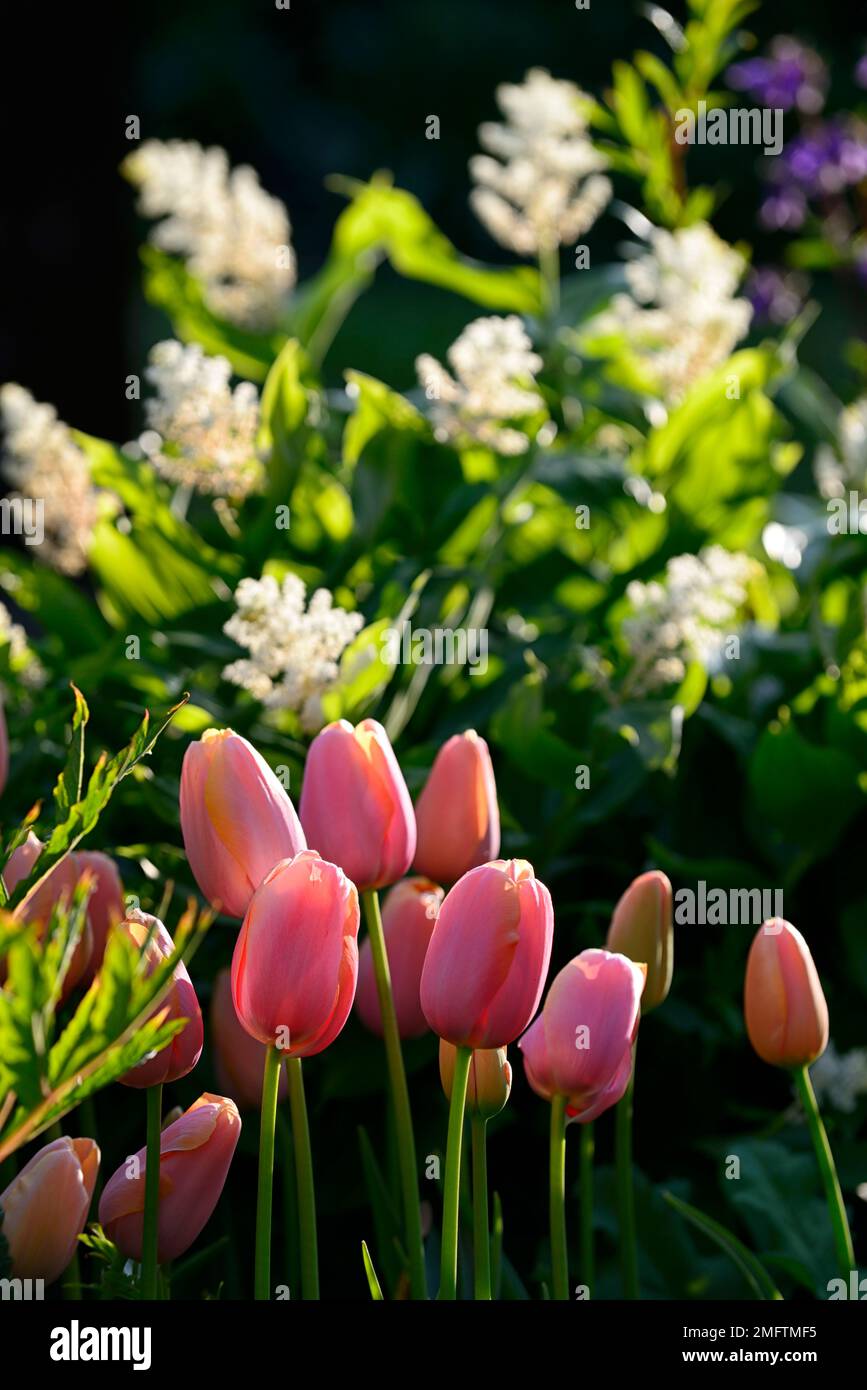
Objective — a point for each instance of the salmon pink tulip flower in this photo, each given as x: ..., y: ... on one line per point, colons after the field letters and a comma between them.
x: 181, y: 1054
x: 239, y: 1060
x: 105, y: 906
x: 44, y: 1208
x: 784, y: 1005
x: 38, y: 906
x: 409, y: 915
x: 641, y: 929
x: 457, y: 817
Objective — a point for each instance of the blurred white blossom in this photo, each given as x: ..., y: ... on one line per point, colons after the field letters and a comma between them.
x: 493, y: 388
x: 838, y: 470
x: 686, y: 616
x: 840, y: 1077
x: 234, y: 236
x: 540, y: 184
x: 682, y: 317
x: 43, y: 462
x: 201, y: 433
x: 294, y: 650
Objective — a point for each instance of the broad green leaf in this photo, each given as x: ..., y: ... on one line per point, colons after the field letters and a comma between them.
x: 750, y: 1267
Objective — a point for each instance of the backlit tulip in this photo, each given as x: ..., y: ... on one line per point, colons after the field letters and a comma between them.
x: 457, y: 818
x: 236, y: 818
x: 295, y: 965
x: 488, y: 956
x: 195, y: 1154
x: 355, y: 808
x: 4, y: 750
x: 409, y: 915
x: 105, y: 906
x: 641, y: 929
x: 784, y: 1006
x: 490, y: 1081
x: 44, y: 1208
x: 181, y: 1054
x: 239, y: 1060
x: 38, y: 905
x: 580, y: 1046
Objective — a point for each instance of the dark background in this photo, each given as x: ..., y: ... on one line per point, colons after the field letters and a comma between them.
x: 326, y: 86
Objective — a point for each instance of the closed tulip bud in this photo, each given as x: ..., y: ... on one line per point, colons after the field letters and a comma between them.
x: 456, y: 815
x: 580, y: 1046
x: 236, y: 818
x: 784, y: 1006
x: 4, y: 750
x: 490, y: 1079
x: 295, y: 965
x: 239, y: 1060
x: 38, y: 906
x: 105, y: 906
x: 641, y: 929
x: 355, y: 808
x: 488, y: 957
x: 181, y: 1054
x: 409, y: 915
x: 195, y: 1154
x: 44, y: 1208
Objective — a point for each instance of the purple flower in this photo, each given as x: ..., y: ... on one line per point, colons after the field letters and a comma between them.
x: 783, y: 210
x: 776, y: 295
x: 791, y: 76
x: 861, y: 71
x: 825, y: 160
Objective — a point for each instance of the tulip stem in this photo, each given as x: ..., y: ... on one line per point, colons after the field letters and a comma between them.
x: 481, y: 1230
x: 399, y: 1095
x: 304, y: 1180
x: 452, y: 1184
x: 586, y: 1161
x: 828, y: 1170
x: 270, y: 1083
x: 625, y: 1190
x: 557, y: 1194
x: 150, y: 1228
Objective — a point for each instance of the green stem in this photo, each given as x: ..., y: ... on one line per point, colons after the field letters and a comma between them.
x: 286, y: 1168
x: 549, y: 268
x: 586, y: 1160
x: 827, y: 1168
x: 557, y: 1180
x: 270, y: 1083
x: 150, y: 1229
x: 625, y: 1191
x: 399, y: 1096
x: 452, y: 1185
x: 481, y: 1232
x: 304, y: 1180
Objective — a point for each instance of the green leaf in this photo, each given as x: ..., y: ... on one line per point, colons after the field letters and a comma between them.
x: 69, y: 783
x: 750, y: 1267
x: 372, y: 1281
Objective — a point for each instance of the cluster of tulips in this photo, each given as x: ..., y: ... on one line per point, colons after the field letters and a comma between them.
x: 470, y: 963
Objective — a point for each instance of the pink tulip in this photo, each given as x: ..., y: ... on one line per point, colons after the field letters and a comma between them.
x: 580, y: 1046
x: 236, y: 818
x: 641, y: 929
x: 295, y: 965
x: 105, y: 906
x: 239, y: 1060
x: 4, y: 750
x: 181, y: 1054
x: 488, y: 956
x: 784, y: 1006
x: 457, y: 816
x: 44, y: 1208
x: 195, y: 1154
x: 39, y: 905
x: 409, y: 915
x: 355, y: 808
x: 490, y: 1080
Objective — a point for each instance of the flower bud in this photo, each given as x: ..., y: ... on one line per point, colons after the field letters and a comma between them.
x: 490, y: 1079
x: 44, y: 1208
x: 195, y: 1154
x: 409, y: 915
x: 239, y: 1059
x: 488, y: 956
x: 38, y: 906
x: 295, y: 965
x: 236, y: 818
x: 784, y: 1006
x: 181, y: 1054
x: 641, y: 929
x: 457, y: 817
x: 355, y: 808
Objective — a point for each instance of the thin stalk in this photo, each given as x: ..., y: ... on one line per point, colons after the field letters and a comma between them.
x: 557, y: 1181
x: 150, y: 1229
x: 452, y: 1184
x: 481, y: 1232
x: 828, y: 1170
x: 399, y: 1096
x: 304, y: 1180
x: 586, y: 1170
x: 265, y: 1195
x: 625, y: 1191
